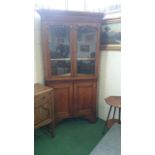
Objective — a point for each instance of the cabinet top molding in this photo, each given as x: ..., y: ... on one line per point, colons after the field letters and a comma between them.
x: 49, y: 13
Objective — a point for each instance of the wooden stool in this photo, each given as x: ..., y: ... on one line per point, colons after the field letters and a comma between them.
x: 114, y: 102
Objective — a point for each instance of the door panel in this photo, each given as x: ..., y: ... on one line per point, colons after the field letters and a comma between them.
x: 85, y: 97
x: 63, y: 99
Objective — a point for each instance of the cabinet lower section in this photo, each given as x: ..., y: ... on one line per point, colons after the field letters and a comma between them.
x: 74, y: 99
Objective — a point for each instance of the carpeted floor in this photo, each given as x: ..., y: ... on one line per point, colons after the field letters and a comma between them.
x: 73, y: 137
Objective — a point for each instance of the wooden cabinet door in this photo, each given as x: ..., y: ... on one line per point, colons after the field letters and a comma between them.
x: 85, y: 99
x: 57, y: 50
x: 63, y: 99
x: 87, y: 50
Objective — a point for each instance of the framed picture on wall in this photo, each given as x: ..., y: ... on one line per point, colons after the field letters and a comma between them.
x: 111, y: 34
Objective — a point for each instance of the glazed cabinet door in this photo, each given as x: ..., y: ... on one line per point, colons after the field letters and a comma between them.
x: 87, y: 50
x: 57, y: 44
x: 63, y: 99
x: 85, y: 99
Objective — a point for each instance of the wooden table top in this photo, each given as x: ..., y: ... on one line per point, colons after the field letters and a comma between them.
x: 39, y: 88
x: 114, y: 101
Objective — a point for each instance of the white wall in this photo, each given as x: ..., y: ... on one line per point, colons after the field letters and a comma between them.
x: 109, y: 72
x: 109, y: 83
x: 38, y: 66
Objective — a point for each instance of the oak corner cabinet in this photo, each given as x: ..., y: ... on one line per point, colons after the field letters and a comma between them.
x: 71, y: 45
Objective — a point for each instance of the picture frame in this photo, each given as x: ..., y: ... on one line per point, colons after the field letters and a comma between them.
x: 111, y: 34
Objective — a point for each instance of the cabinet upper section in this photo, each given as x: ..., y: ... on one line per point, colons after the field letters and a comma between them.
x: 70, y: 43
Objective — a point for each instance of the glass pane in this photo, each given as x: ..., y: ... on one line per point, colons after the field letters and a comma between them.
x: 86, y: 42
x: 61, y: 67
x: 59, y: 41
x: 86, y: 67
x: 59, y: 45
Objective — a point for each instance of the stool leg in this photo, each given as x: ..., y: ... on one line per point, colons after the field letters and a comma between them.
x: 114, y: 113
x: 107, y: 118
x: 119, y: 115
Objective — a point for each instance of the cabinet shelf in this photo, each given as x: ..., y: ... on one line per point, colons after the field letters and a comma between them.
x: 61, y: 59
x: 68, y: 59
x: 85, y: 58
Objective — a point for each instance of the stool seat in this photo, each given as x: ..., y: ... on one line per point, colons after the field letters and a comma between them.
x: 114, y: 101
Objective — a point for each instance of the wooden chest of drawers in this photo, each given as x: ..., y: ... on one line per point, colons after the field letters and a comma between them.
x: 43, y: 107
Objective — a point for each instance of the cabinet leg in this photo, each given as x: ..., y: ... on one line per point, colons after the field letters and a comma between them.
x: 52, y: 129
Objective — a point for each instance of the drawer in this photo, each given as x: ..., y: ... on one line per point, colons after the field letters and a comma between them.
x: 42, y: 99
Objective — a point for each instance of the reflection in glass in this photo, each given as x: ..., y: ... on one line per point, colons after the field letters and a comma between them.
x: 59, y: 42
x: 61, y: 67
x: 86, y: 67
x: 86, y: 42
